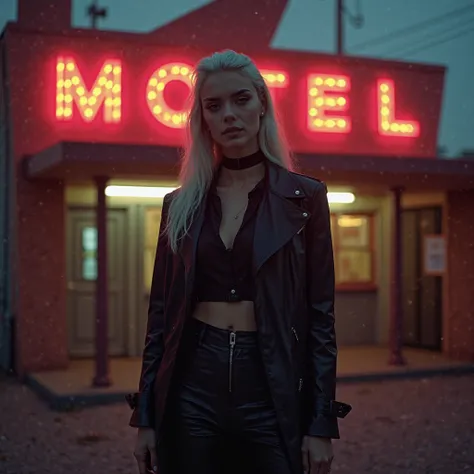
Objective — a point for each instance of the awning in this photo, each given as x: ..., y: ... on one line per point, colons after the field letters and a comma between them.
x: 79, y: 161
x: 82, y: 161
x: 413, y: 174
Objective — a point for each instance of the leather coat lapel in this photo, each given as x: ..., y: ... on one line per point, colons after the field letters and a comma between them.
x: 280, y: 215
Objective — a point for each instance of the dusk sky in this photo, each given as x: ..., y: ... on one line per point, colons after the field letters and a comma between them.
x: 310, y: 25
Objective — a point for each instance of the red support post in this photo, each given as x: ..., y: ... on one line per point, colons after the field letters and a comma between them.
x: 396, y: 311
x: 101, y: 378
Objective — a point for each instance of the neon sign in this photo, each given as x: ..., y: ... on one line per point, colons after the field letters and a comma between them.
x: 157, y: 104
x: 175, y: 118
x: 327, y: 98
x: 106, y: 91
x: 387, y: 123
x: 325, y: 94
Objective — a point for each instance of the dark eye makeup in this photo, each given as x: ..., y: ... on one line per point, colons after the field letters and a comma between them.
x: 241, y: 99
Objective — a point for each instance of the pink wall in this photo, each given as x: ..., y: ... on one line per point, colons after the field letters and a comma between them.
x: 459, y: 318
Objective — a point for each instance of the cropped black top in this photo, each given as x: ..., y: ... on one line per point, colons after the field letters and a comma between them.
x: 226, y: 274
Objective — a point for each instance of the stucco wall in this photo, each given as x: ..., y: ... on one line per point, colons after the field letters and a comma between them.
x: 459, y: 317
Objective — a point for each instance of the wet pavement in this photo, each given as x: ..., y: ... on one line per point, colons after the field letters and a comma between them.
x: 412, y: 427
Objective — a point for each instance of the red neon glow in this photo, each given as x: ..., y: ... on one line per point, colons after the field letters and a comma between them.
x: 161, y: 110
x: 387, y: 123
x: 327, y: 97
x: 324, y: 95
x: 106, y: 90
x: 275, y: 79
x: 176, y: 118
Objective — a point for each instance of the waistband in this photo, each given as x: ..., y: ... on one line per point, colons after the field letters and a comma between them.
x: 221, y: 337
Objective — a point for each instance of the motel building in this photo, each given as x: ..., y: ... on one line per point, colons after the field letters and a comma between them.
x: 91, y: 124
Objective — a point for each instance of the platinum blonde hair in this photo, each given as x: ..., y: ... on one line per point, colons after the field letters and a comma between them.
x: 201, y: 157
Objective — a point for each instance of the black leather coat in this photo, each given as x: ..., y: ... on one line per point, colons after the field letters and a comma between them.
x: 294, y: 274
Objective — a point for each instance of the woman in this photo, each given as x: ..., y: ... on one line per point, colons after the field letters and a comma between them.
x: 240, y: 352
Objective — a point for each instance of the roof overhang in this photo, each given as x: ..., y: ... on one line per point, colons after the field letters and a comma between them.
x: 83, y: 161
x: 412, y: 174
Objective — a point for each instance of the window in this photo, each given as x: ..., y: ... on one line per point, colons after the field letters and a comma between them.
x: 353, y: 250
x: 89, y: 253
x: 152, y: 226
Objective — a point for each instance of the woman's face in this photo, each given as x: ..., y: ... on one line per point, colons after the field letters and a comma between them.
x: 232, y: 111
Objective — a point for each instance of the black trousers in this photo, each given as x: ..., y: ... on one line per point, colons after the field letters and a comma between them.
x: 221, y: 415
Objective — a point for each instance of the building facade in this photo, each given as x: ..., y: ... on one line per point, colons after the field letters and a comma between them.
x: 91, y: 128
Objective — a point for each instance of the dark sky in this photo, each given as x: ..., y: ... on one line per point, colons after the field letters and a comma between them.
x: 309, y: 25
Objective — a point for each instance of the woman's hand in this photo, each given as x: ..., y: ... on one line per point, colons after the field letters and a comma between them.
x: 317, y: 455
x: 145, y: 451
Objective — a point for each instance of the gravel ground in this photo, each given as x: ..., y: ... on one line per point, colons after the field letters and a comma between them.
x: 416, y: 426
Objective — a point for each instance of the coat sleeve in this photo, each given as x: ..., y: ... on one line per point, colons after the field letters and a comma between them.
x: 142, y: 402
x: 322, y: 348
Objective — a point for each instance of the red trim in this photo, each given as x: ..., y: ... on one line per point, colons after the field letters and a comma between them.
x: 356, y: 287
x: 81, y: 161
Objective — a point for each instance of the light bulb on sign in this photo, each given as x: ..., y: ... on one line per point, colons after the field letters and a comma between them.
x: 71, y: 88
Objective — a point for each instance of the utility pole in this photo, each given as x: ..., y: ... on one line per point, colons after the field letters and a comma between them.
x: 357, y: 21
x: 94, y: 12
x: 340, y: 26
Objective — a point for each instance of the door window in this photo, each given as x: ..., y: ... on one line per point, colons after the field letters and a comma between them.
x: 89, y: 253
x: 353, y: 250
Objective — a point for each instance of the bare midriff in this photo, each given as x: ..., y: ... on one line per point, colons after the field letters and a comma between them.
x: 239, y: 316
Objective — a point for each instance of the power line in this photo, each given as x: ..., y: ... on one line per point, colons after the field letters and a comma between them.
x: 458, y: 34
x: 412, y: 28
x: 357, y: 21
x: 435, y: 35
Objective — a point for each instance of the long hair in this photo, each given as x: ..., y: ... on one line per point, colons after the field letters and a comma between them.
x: 201, y: 157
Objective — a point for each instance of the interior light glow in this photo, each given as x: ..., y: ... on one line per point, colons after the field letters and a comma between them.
x: 138, y: 191
x: 349, y: 221
x: 161, y: 191
x: 340, y: 198
x: 387, y: 123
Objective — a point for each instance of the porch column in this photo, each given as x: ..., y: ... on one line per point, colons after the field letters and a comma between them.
x: 101, y: 378
x: 396, y: 312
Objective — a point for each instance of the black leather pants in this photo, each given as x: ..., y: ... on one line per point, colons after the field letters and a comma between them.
x: 221, y: 413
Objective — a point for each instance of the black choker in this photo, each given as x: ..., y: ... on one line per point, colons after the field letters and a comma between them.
x: 244, y: 162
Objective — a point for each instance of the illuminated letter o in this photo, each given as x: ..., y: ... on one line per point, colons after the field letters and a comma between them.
x: 155, y: 93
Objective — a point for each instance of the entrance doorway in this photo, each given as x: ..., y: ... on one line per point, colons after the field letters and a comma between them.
x: 81, y: 280
x: 422, y: 294
x: 150, y: 219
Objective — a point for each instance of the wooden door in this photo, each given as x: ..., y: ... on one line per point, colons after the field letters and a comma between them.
x: 82, y: 274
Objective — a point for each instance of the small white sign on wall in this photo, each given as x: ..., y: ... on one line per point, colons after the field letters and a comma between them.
x: 434, y: 255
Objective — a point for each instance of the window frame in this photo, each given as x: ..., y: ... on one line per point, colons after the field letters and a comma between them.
x: 371, y: 248
x: 152, y: 244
